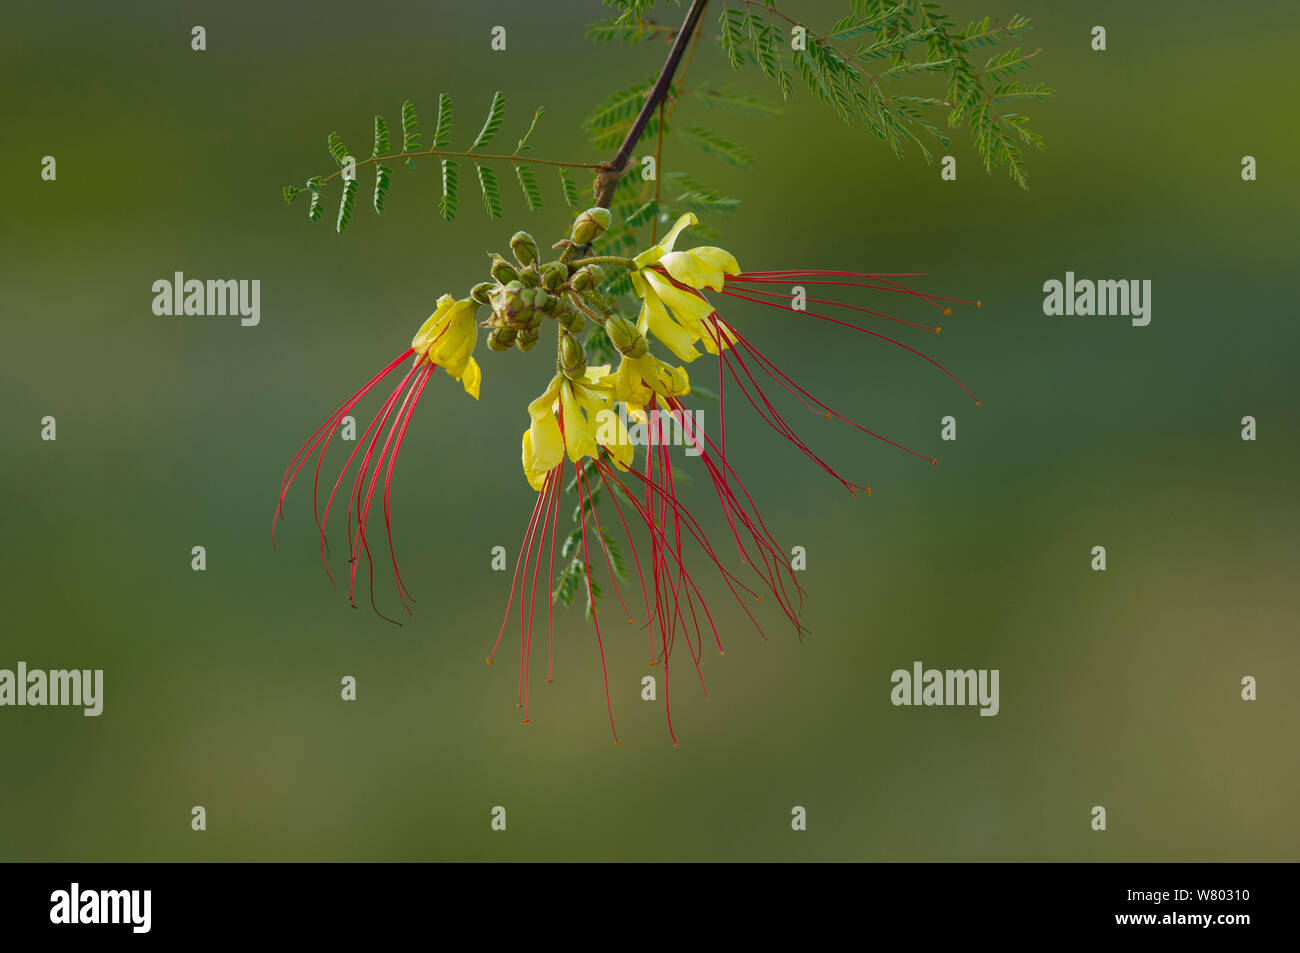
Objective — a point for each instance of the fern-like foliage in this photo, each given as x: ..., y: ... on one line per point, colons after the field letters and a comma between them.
x: 853, y: 67
x: 525, y: 167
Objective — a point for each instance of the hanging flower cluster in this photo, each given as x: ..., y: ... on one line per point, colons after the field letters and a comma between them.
x: 578, y: 430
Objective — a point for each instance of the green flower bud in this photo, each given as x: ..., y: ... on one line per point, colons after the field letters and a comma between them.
x: 503, y: 271
x: 624, y: 336
x: 589, y: 225
x: 526, y: 339
x: 481, y: 292
x: 572, y: 320
x: 553, y: 275
x: 528, y: 276
x: 587, y: 278
x: 573, y: 359
x: 552, y: 305
x: 512, y: 305
x: 500, y: 339
x: 524, y: 247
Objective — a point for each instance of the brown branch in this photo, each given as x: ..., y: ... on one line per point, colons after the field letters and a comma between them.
x: 613, y: 170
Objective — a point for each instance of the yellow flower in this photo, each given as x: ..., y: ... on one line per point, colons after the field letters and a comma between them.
x: 589, y: 422
x: 447, y: 339
x: 674, y: 315
x: 639, y: 379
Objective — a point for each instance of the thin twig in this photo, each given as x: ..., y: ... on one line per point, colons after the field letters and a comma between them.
x: 613, y: 170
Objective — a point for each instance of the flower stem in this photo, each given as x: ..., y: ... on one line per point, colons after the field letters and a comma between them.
x: 627, y: 263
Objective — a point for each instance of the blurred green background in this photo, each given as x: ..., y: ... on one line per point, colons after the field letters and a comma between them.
x: 222, y: 687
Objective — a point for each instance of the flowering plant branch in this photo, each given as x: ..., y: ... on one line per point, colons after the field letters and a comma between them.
x: 628, y: 315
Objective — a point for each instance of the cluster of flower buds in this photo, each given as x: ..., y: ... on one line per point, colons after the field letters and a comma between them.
x: 524, y: 292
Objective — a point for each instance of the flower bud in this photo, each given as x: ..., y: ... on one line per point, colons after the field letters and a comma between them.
x: 526, y: 339
x: 624, y: 336
x: 503, y: 271
x: 571, y: 320
x: 573, y: 359
x: 589, y: 225
x: 552, y: 305
x: 512, y: 304
x: 587, y: 278
x: 481, y: 292
x: 524, y: 247
x: 500, y: 339
x: 553, y: 275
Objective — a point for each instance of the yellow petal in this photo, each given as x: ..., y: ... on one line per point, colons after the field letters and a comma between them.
x: 428, y: 331
x: 472, y: 378
x: 544, y: 406
x: 621, y: 450
x: 453, y: 348
x: 578, y: 437
x: 543, y: 449
x: 688, y: 308
x: 629, y: 387
x: 702, y: 267
x: 665, y: 245
x: 655, y: 320
x: 664, y: 379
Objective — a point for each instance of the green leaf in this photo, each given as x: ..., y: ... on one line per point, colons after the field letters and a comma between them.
x: 487, y: 182
x: 610, y: 121
x: 345, y: 205
x: 707, y: 202
x: 442, y: 132
x: 615, y: 30
x: 593, y: 594
x: 717, y: 145
x: 853, y: 26
x: 316, y: 211
x: 337, y: 149
x: 733, y: 37
x: 450, y: 200
x: 567, y: 585
x: 731, y: 101
x: 1018, y: 90
x: 642, y: 215
x: 532, y: 191
x: 290, y: 192
x: 614, y: 554
x: 496, y: 112
x: 907, y: 69
x: 410, y: 131
x: 383, y: 180
x: 381, y: 137
x: 891, y: 45
x: 569, y: 187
